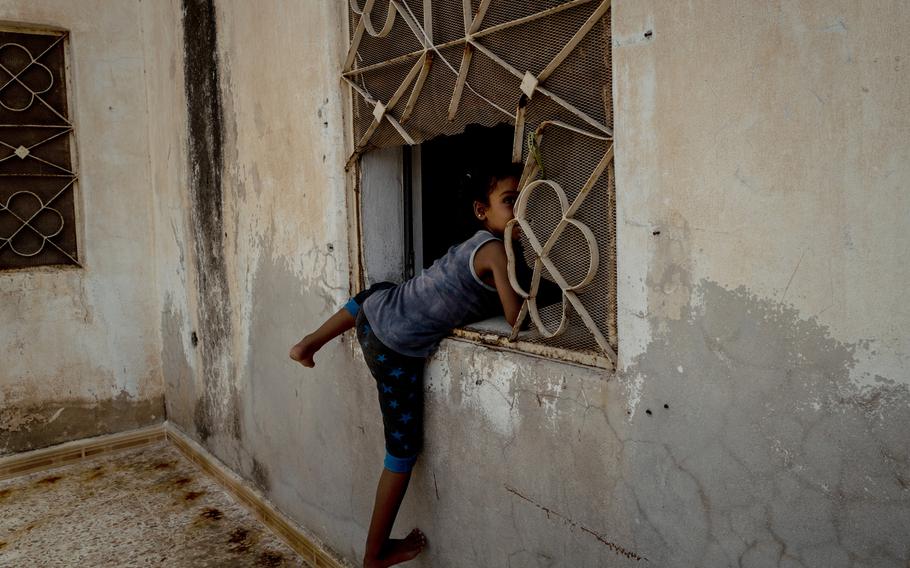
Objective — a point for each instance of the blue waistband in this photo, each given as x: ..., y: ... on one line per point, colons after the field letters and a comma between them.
x: 352, y: 307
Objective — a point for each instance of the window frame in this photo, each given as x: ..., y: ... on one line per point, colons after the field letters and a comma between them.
x: 476, y: 334
x: 79, y: 259
x: 488, y: 338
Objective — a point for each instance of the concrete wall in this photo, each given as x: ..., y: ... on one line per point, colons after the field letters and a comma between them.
x: 79, y: 347
x: 760, y: 411
x: 255, y: 229
x: 769, y: 313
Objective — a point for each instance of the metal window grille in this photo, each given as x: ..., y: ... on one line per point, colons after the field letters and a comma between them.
x: 37, y: 204
x: 424, y: 68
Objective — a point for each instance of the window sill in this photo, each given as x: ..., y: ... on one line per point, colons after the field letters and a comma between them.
x: 494, y: 333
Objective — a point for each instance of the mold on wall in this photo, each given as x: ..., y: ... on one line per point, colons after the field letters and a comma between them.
x: 279, y: 247
x: 206, y: 155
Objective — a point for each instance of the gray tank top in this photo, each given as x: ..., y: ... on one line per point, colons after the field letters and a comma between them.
x: 413, y: 317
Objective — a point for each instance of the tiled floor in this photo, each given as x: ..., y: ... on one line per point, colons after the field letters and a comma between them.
x: 144, y: 507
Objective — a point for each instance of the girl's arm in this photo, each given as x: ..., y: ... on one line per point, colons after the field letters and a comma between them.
x: 491, y: 262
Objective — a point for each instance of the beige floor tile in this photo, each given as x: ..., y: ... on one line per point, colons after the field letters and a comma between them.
x: 143, y: 507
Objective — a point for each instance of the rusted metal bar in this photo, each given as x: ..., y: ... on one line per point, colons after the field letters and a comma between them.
x: 496, y: 341
x: 519, y: 135
x: 428, y: 19
x: 459, y: 41
x: 426, y: 65
x: 530, y: 18
x: 479, y: 16
x: 574, y: 41
x: 419, y: 32
x: 571, y: 108
x: 502, y: 63
x: 367, y: 21
x: 462, y: 77
x: 352, y: 49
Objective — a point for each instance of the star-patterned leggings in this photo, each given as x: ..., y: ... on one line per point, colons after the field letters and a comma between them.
x: 399, y: 381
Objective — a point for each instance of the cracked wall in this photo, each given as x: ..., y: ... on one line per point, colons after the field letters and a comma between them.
x: 758, y: 414
x: 761, y: 193
x: 79, y: 347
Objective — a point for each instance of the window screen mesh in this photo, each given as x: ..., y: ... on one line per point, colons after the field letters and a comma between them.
x: 422, y: 69
x: 568, y: 159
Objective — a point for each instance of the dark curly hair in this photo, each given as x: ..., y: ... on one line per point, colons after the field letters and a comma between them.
x: 479, y: 181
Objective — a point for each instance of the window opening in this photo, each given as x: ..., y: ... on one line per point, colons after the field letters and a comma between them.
x: 445, y: 161
x: 419, y: 69
x: 37, y: 203
x: 441, y: 210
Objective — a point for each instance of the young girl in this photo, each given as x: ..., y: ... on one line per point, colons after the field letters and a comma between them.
x: 399, y: 326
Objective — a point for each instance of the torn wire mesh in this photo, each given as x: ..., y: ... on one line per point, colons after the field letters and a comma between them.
x: 423, y: 68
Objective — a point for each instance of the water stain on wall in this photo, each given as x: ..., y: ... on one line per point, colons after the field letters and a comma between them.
x: 205, y: 144
x: 260, y: 475
x: 26, y: 427
x: 178, y: 375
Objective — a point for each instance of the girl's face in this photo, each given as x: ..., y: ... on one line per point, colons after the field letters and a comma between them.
x: 498, y: 212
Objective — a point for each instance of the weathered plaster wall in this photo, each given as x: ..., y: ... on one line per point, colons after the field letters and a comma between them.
x: 79, y: 348
x: 762, y: 167
x: 174, y: 255
x: 758, y: 417
x: 793, y: 131
x: 263, y: 237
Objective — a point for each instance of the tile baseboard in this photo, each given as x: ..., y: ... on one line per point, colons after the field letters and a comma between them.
x: 304, y: 544
x: 67, y: 453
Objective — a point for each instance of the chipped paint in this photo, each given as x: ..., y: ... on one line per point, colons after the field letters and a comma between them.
x: 487, y: 390
x: 33, y: 425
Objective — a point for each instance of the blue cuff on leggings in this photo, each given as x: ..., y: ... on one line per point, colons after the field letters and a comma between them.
x: 352, y: 307
x: 399, y: 465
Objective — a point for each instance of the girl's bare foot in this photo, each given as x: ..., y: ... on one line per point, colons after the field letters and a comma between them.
x: 405, y: 549
x: 304, y: 350
x: 397, y: 551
